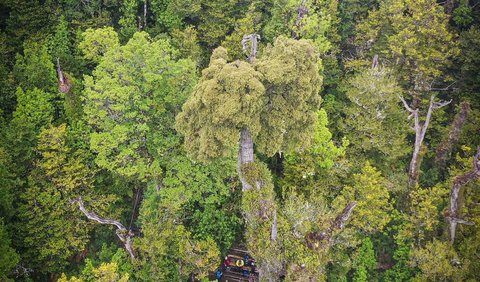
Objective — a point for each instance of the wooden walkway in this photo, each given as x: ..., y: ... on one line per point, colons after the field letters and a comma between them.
x: 235, y: 274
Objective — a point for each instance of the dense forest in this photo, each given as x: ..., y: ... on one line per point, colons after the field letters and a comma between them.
x: 334, y: 140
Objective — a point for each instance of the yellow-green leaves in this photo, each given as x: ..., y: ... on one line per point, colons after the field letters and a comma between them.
x: 413, y: 35
x: 276, y: 98
x: 373, y: 208
x: 96, y: 42
x: 227, y: 98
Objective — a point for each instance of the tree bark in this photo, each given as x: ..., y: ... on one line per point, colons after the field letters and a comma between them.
x: 452, y: 215
x: 245, y: 151
x: 314, y: 240
x: 420, y: 129
x: 63, y: 84
x: 123, y: 234
x: 453, y: 135
x: 245, y: 156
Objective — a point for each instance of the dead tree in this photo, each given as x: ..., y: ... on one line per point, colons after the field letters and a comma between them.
x: 324, y: 238
x: 451, y: 139
x: 420, y: 129
x: 452, y: 215
x: 64, y: 84
x: 123, y: 234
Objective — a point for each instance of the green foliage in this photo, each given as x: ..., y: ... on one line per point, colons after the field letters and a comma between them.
x: 373, y: 208
x: 96, y: 43
x: 436, y: 262
x: 364, y: 261
x: 106, y: 272
x: 8, y: 257
x: 462, y: 15
x: 167, y: 251
x: 34, y: 111
x: 308, y: 170
x: 292, y: 81
x: 128, y: 20
x: 413, y: 35
x: 186, y: 42
x: 60, y: 45
x: 35, y: 69
x: 228, y: 97
x: 52, y: 229
x: 130, y: 100
x: 374, y: 120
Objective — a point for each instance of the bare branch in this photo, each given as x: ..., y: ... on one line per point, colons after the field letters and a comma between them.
x: 438, y: 105
x: 460, y: 181
x: 406, y: 105
x: 123, y: 234
x: 253, y: 38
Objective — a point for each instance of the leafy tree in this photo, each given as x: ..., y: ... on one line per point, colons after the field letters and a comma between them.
x: 374, y: 120
x: 106, y: 272
x: 51, y: 228
x: 60, y: 45
x: 34, y: 111
x: 133, y: 93
x: 35, y: 69
x: 8, y: 256
x: 308, y: 170
x: 414, y: 37
x: 435, y: 262
x: 96, y: 43
x: 372, y: 197
x: 128, y: 20
x: 364, y: 261
x: 224, y: 104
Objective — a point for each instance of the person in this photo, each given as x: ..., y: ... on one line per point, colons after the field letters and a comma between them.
x: 245, y: 273
x: 219, y: 274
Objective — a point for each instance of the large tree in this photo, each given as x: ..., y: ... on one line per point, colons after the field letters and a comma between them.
x: 271, y: 102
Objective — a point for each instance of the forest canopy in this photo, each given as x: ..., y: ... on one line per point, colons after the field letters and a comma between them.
x: 157, y: 140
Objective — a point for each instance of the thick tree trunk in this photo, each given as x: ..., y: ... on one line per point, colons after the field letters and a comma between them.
x: 245, y: 156
x: 453, y: 135
x: 452, y: 215
x: 123, y: 234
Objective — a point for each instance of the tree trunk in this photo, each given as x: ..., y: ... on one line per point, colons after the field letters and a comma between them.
x: 452, y: 215
x: 245, y: 156
x: 453, y: 135
x: 420, y: 129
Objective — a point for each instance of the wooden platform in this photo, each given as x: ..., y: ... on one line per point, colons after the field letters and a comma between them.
x: 235, y: 274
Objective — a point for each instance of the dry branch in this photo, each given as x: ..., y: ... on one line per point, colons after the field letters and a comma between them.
x: 452, y: 215
x: 123, y: 234
x: 420, y: 129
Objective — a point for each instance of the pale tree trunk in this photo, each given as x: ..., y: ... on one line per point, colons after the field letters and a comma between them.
x: 420, y: 129
x: 144, y: 14
x: 460, y: 181
x: 245, y: 151
x: 453, y: 135
x: 123, y: 234
x: 245, y: 156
